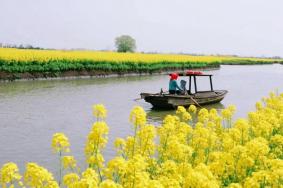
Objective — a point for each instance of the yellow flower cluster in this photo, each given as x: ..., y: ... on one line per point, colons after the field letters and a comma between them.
x: 99, y: 111
x: 69, y: 162
x: 194, y: 148
x: 96, y: 141
x: 9, y: 174
x: 88, y: 179
x: 37, y: 176
x: 60, y: 143
x: 138, y: 116
x: 12, y: 54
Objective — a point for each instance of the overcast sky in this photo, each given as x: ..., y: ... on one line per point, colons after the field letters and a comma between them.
x: 242, y: 27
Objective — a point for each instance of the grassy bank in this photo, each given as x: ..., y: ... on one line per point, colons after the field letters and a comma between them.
x: 19, y: 63
x: 32, y: 70
x: 250, y: 61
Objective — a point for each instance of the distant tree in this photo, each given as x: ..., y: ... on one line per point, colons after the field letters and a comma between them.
x: 125, y: 43
x: 29, y: 46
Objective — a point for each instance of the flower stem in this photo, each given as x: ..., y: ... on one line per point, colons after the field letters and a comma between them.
x: 60, y: 167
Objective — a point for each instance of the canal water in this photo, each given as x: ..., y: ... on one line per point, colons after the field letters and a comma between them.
x: 32, y: 111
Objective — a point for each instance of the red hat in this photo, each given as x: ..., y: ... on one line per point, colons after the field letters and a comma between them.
x: 173, y: 76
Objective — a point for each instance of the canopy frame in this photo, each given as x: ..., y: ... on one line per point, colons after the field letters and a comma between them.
x: 195, y: 80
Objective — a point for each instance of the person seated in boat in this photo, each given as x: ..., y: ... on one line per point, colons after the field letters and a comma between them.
x: 173, y: 85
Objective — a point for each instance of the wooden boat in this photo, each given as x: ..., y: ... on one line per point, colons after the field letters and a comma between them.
x: 165, y: 100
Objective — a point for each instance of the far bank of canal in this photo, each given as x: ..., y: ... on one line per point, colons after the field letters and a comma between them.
x: 32, y: 111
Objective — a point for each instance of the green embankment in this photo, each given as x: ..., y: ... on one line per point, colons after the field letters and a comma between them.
x: 248, y: 62
x: 105, y: 67
x: 11, y: 70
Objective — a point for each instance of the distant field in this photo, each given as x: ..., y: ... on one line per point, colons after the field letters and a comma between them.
x: 36, y: 61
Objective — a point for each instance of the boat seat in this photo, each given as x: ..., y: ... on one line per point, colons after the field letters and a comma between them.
x: 183, y: 86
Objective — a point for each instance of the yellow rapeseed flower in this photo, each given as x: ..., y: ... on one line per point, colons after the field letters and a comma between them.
x: 138, y: 116
x: 99, y: 111
x: 9, y: 174
x: 193, y: 109
x: 60, y: 143
x: 70, y: 179
x: 69, y: 162
x: 175, y: 153
x: 109, y: 184
x: 37, y: 176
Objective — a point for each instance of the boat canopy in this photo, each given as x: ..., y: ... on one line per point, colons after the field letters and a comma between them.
x: 194, y: 74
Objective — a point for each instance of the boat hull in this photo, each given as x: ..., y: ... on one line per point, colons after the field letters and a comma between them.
x: 167, y: 101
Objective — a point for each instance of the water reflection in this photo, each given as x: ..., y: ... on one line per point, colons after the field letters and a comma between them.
x: 157, y: 116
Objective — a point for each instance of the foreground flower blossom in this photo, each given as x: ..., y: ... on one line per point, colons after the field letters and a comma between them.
x: 9, y: 174
x: 60, y: 143
x: 37, y: 176
x: 99, y: 111
x: 212, y: 152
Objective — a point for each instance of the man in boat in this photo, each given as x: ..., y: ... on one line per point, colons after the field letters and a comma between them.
x: 173, y: 85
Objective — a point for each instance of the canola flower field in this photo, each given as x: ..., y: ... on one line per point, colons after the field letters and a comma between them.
x: 193, y: 148
x: 55, y: 61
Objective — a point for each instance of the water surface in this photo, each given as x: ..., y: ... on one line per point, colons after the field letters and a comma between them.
x: 32, y: 111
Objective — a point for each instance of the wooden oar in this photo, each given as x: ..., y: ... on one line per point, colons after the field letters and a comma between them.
x: 195, y: 101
